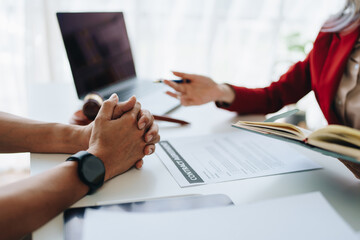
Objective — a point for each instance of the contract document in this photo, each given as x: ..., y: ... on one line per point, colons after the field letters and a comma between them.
x: 231, y: 156
x: 307, y: 216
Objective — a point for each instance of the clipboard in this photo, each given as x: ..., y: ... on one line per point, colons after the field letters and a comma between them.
x: 74, y: 217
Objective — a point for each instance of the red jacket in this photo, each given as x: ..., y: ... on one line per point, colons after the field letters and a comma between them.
x: 321, y: 72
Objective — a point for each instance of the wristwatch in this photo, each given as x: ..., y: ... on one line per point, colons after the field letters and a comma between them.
x: 91, y: 169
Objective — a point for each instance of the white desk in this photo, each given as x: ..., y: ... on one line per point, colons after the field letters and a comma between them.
x: 335, y: 182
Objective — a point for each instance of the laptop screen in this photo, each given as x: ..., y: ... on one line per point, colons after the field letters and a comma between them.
x: 98, y: 49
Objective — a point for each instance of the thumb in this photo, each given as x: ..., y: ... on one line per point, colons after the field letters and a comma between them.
x: 123, y: 107
x: 107, y: 108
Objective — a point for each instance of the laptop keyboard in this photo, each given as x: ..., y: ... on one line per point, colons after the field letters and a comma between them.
x: 151, y: 96
x: 137, y: 90
x: 125, y: 94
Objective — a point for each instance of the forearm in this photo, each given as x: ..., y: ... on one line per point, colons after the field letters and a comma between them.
x: 290, y: 88
x: 23, y: 135
x: 28, y: 204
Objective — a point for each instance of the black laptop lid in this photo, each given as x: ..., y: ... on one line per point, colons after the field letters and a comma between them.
x: 98, y: 49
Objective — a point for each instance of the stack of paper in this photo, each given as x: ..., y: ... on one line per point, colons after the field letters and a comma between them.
x: 307, y: 216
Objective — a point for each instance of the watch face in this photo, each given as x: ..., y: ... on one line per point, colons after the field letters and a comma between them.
x: 93, y: 170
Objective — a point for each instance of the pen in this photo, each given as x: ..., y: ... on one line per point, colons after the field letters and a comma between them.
x: 173, y: 80
x: 168, y: 119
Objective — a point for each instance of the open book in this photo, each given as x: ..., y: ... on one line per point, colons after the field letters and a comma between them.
x: 333, y: 140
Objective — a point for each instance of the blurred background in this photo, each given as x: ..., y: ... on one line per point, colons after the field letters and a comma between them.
x: 244, y: 42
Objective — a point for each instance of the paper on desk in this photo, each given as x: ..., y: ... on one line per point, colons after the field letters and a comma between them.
x: 231, y: 156
x: 307, y: 216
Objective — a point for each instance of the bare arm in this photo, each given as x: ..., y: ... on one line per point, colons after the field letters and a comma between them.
x: 24, y: 135
x: 19, y: 134
x: 28, y: 204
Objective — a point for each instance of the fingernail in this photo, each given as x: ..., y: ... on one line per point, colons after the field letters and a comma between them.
x: 149, y: 138
x: 114, y: 95
x: 142, y: 125
x: 133, y: 96
x: 139, y: 166
x: 150, y: 151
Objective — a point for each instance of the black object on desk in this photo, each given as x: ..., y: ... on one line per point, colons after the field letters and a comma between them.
x: 74, y: 217
x: 92, y: 105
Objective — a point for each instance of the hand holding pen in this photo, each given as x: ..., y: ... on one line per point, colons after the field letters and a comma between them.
x: 197, y: 89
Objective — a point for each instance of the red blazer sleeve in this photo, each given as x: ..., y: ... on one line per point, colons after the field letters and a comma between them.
x: 290, y: 88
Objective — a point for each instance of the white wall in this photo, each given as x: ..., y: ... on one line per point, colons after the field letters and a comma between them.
x: 236, y: 41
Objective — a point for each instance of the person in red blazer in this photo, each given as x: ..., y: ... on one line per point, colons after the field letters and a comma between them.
x: 321, y: 72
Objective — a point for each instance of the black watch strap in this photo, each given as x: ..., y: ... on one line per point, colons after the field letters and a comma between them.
x: 91, y: 169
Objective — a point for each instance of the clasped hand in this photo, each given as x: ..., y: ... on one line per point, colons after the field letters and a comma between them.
x: 122, y: 134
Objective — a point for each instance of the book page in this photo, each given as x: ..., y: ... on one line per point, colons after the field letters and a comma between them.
x: 231, y: 156
x: 337, y: 134
x: 339, y: 139
x: 337, y: 148
x: 281, y: 129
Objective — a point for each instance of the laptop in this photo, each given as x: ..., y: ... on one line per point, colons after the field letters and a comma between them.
x: 101, y: 60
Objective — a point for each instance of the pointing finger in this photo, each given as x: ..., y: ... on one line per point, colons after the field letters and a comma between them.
x: 176, y: 86
x: 171, y: 94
